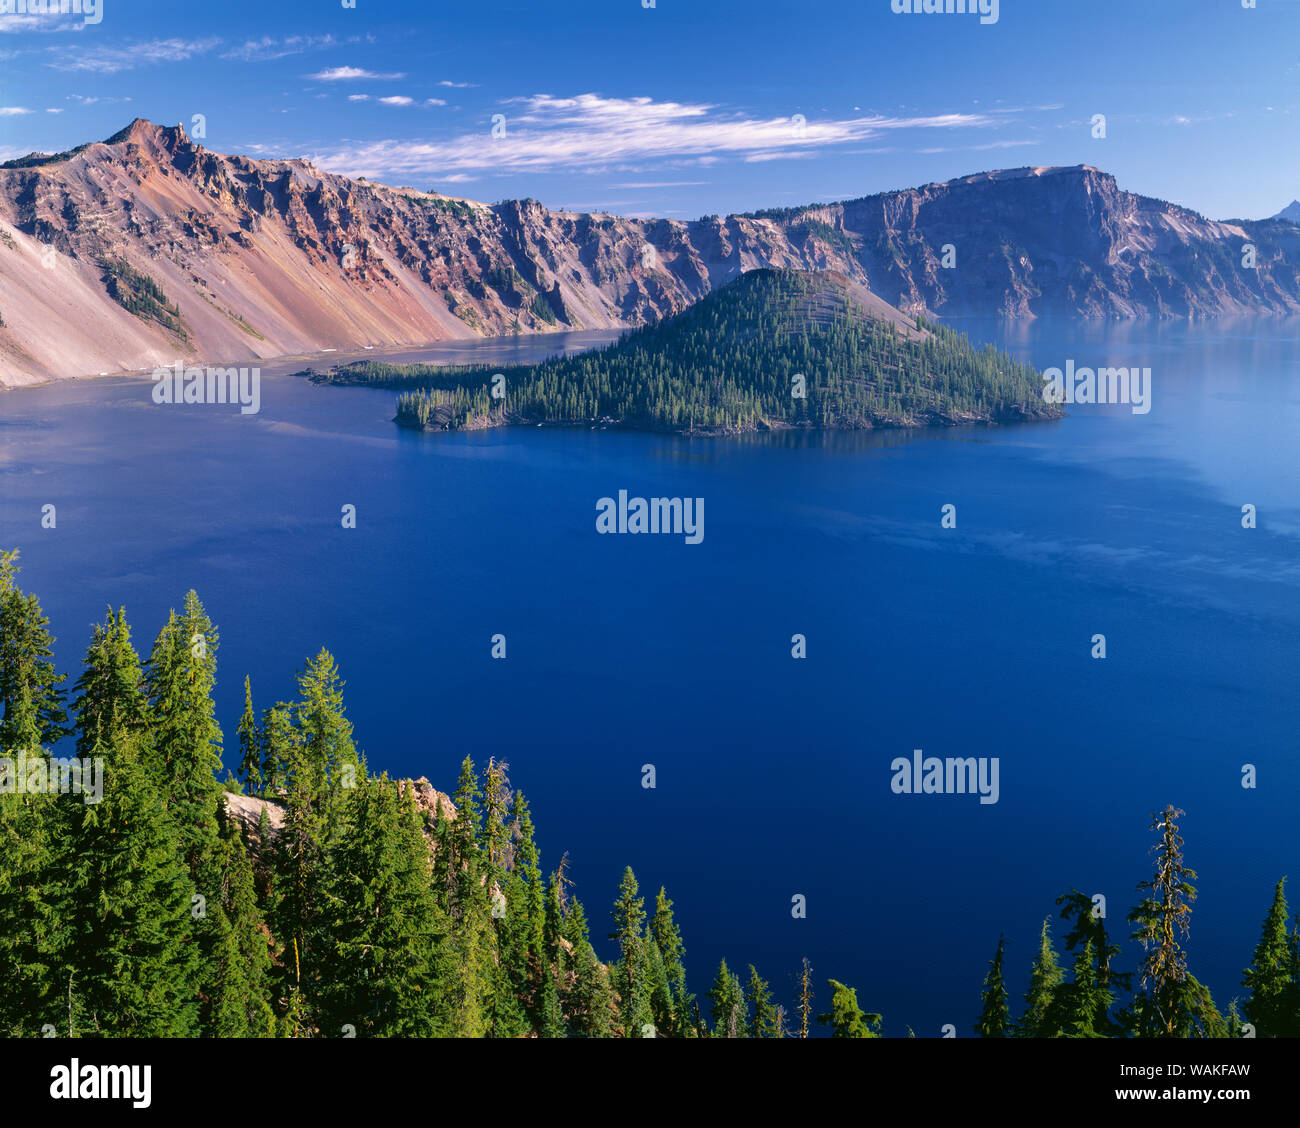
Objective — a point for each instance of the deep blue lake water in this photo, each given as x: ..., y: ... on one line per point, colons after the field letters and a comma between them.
x: 773, y: 775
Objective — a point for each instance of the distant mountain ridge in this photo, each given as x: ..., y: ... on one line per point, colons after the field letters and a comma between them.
x: 146, y: 248
x: 1291, y: 212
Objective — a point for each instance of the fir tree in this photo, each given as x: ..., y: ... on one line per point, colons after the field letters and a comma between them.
x: 592, y: 1001
x: 1173, y: 1004
x: 763, y: 1017
x: 186, y: 742
x: 632, y: 972
x: 1269, y: 979
x: 846, y: 1019
x: 111, y: 699
x: 30, y: 690
x: 995, y: 1017
x: 250, y: 748
x: 381, y: 927
x: 1044, y: 981
x: 668, y: 938
x: 240, y: 1005
x: 130, y: 906
x: 33, y: 922
x: 727, y: 1004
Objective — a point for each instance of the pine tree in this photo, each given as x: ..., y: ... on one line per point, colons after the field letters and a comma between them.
x: 324, y: 729
x: 763, y: 1018
x: 250, y: 748
x: 1270, y: 1008
x: 239, y: 1006
x: 186, y: 744
x: 132, y: 963
x: 668, y: 938
x: 1044, y: 981
x: 30, y: 690
x: 846, y: 1019
x: 727, y: 1004
x: 277, y: 739
x: 1173, y: 1004
x: 591, y: 999
x: 995, y: 1017
x: 1088, y: 924
x: 381, y: 927
x: 632, y: 972
x: 32, y: 923
x: 111, y: 699
x: 551, y: 1018
x: 1081, y: 1008
x: 470, y: 994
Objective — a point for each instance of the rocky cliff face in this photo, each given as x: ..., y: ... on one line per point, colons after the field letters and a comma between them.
x: 148, y: 248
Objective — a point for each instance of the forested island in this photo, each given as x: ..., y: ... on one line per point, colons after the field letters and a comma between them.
x: 150, y: 905
x: 772, y: 349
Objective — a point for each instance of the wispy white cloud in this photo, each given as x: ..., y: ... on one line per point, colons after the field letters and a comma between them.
x: 977, y: 148
x: 266, y: 49
x: 111, y: 60
x: 13, y: 111
x: 458, y: 85
x: 397, y: 100
x: 663, y: 184
x: 576, y: 133
x: 345, y: 74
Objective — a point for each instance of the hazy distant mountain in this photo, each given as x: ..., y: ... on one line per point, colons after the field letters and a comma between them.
x: 162, y: 249
x: 1291, y: 212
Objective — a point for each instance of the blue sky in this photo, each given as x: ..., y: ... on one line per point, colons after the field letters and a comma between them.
x: 690, y: 106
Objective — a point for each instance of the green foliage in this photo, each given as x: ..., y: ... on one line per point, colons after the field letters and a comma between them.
x: 159, y: 912
x: 995, y: 1018
x: 727, y: 1004
x: 1274, y: 1004
x: 846, y: 1019
x: 140, y: 295
x: 728, y: 364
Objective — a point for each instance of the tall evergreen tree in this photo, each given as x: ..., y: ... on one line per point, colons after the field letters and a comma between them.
x: 186, y: 746
x: 382, y: 929
x: 322, y: 723
x: 1045, y: 980
x: 1081, y: 1008
x: 995, y: 1017
x: 632, y: 972
x: 239, y: 1005
x: 1269, y: 979
x: 727, y: 1004
x: 131, y: 966
x: 250, y: 745
x: 33, y: 923
x: 111, y: 700
x: 763, y: 1018
x: 1173, y: 1003
x: 31, y: 692
x: 591, y: 999
x: 668, y: 938
x: 470, y: 907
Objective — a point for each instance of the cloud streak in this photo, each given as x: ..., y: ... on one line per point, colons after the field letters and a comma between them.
x: 588, y: 130
x: 111, y: 60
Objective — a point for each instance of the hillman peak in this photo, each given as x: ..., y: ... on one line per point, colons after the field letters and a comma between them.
x: 123, y: 254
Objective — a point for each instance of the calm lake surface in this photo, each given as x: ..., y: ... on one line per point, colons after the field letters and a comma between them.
x: 773, y: 775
